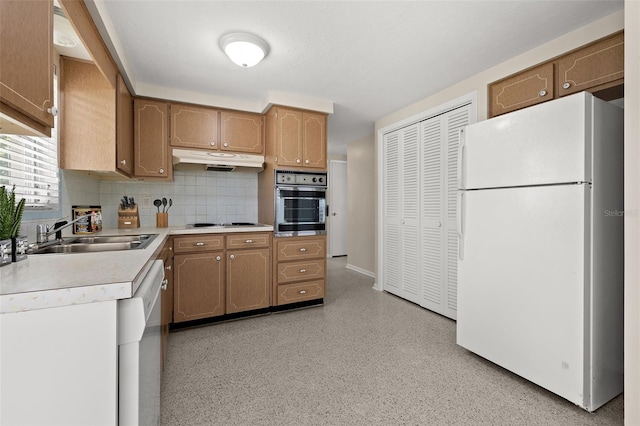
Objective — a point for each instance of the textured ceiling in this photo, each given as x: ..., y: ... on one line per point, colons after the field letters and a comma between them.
x: 369, y: 58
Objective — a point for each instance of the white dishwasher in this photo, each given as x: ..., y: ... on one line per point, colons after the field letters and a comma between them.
x: 139, y: 341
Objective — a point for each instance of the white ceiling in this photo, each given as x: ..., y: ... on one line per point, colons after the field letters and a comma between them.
x: 367, y: 58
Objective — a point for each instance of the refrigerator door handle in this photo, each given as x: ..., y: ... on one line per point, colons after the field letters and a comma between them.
x: 460, y: 224
x: 461, y: 146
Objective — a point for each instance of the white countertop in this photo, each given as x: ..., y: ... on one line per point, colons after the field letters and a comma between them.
x: 53, y: 280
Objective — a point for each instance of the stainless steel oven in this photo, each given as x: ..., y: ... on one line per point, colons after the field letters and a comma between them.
x: 300, y: 203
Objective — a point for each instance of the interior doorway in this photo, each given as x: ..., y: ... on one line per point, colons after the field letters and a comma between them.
x: 338, y: 223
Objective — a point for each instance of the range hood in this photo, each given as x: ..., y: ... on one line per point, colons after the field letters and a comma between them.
x: 192, y: 159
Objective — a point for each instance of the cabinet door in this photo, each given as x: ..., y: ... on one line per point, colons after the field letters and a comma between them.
x: 315, y: 140
x: 289, y: 140
x: 524, y: 89
x: 167, y: 298
x: 241, y: 132
x: 151, y: 145
x: 87, y: 118
x: 26, y: 74
x: 198, y: 286
x: 596, y: 66
x: 248, y: 280
x: 194, y: 127
x: 124, y: 128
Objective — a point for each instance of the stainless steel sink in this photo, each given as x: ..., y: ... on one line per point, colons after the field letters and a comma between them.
x: 100, y: 243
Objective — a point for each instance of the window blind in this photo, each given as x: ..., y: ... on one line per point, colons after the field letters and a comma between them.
x: 31, y: 164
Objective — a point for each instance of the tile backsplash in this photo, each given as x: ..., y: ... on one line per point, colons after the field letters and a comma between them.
x: 198, y: 196
x: 217, y: 197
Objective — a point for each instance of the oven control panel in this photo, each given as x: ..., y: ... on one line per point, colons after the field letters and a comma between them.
x: 285, y: 177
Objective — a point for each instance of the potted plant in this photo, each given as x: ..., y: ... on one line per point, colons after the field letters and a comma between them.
x: 10, y: 220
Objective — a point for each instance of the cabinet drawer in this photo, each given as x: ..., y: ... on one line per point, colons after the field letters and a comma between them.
x: 242, y: 240
x: 198, y: 243
x: 301, y: 249
x: 299, y: 271
x: 299, y: 292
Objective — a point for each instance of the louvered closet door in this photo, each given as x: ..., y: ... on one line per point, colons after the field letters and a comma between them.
x: 410, y: 196
x: 432, y: 216
x: 391, y: 214
x: 455, y: 120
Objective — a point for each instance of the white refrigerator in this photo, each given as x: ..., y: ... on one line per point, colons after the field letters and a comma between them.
x: 540, y: 226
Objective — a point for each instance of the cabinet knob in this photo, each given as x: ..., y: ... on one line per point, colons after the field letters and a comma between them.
x: 306, y: 161
x: 302, y: 271
x: 303, y: 292
x: 53, y: 111
x: 161, y: 171
x: 566, y: 85
x: 164, y: 284
x: 298, y: 161
x: 123, y: 162
x: 212, y: 143
x: 302, y: 249
x: 200, y: 244
x: 233, y: 256
x: 249, y: 241
x: 225, y: 144
x: 218, y: 258
x: 168, y: 268
x: 542, y: 93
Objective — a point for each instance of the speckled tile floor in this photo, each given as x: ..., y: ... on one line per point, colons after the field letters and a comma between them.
x: 363, y: 358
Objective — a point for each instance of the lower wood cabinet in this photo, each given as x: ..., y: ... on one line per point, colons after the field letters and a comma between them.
x: 299, y: 269
x: 166, y: 255
x: 217, y: 274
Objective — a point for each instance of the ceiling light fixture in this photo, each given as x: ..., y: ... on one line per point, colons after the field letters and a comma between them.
x: 244, y: 49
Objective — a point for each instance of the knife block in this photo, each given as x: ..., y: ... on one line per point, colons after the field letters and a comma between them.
x: 129, y: 218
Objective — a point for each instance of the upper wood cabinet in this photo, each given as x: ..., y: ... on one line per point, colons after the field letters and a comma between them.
x: 241, y: 132
x: 594, y: 67
x: 96, y: 132
x: 151, y: 139
x: 26, y: 73
x: 124, y: 128
x: 298, y: 138
x: 194, y: 127
x: 597, y: 67
x: 522, y: 90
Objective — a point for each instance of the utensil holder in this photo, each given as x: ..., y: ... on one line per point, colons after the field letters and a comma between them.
x: 162, y: 220
x: 129, y: 218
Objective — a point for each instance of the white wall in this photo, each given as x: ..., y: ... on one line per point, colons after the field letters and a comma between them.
x: 632, y: 218
x: 361, y: 187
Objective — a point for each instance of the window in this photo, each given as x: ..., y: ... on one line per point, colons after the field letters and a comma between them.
x: 31, y: 164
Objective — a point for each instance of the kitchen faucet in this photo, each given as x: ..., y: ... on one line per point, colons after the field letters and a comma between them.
x: 43, y: 232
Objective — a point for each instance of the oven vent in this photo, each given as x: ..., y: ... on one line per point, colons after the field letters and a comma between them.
x: 220, y: 168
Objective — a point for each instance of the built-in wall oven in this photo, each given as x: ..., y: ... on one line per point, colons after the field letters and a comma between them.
x: 300, y: 203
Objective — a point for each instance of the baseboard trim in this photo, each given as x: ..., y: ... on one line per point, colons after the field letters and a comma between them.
x: 361, y: 270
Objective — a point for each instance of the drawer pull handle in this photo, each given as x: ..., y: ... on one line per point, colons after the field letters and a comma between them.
x: 303, y: 249
x: 302, y: 271
x: 200, y: 244
x: 249, y: 241
x: 218, y: 258
x: 303, y: 291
